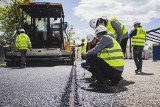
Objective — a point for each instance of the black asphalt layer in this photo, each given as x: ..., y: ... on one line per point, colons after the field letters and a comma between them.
x: 33, y: 86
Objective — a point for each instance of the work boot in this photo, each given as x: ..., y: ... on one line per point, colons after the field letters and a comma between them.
x: 138, y: 71
x: 115, y: 81
x: 23, y: 66
x: 99, y: 84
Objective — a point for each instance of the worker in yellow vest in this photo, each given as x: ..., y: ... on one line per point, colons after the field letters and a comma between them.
x: 125, y: 34
x: 138, y: 36
x: 23, y: 43
x: 108, y: 65
x: 111, y: 25
x: 83, y: 46
x: 114, y: 27
x: 91, y: 43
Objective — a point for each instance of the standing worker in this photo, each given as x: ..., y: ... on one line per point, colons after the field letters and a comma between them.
x: 125, y: 35
x: 111, y: 25
x: 83, y: 46
x: 108, y: 65
x: 138, y: 36
x: 23, y: 44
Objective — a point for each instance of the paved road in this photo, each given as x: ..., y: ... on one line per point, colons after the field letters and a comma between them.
x: 46, y: 87
x: 33, y: 86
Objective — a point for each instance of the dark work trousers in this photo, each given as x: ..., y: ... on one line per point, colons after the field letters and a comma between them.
x: 124, y: 44
x: 103, y: 71
x: 137, y: 54
x: 23, y: 57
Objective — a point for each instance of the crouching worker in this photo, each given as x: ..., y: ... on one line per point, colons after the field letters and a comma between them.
x: 91, y: 43
x: 109, y: 63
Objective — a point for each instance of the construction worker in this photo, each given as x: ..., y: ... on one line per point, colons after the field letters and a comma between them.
x: 125, y: 35
x: 83, y: 46
x: 23, y: 44
x: 138, y: 36
x: 91, y: 43
x: 111, y: 25
x: 109, y: 63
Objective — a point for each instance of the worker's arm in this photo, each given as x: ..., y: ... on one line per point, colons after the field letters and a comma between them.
x: 118, y: 30
x: 104, y: 42
x: 82, y: 44
x: 133, y: 33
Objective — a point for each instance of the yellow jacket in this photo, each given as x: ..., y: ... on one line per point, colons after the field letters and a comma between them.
x: 23, y: 42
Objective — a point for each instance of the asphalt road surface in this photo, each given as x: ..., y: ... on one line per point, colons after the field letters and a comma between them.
x: 33, y: 86
x: 67, y: 86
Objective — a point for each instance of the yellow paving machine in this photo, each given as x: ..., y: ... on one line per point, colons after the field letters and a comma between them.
x: 47, y: 32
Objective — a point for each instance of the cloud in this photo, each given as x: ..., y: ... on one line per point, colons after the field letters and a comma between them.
x: 127, y: 11
x: 81, y: 32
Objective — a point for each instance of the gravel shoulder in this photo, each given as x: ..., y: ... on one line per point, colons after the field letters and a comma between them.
x: 135, y: 90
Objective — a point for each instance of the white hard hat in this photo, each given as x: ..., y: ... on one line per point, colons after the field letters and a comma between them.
x: 90, y: 37
x: 136, y: 22
x: 100, y: 28
x: 21, y: 30
x: 92, y: 23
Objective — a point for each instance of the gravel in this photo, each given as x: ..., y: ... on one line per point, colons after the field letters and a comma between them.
x: 135, y: 90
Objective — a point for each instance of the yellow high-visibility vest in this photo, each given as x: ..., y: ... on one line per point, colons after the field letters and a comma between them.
x: 140, y: 38
x: 23, y: 42
x: 123, y: 27
x: 83, y: 48
x: 113, y: 56
x: 110, y: 28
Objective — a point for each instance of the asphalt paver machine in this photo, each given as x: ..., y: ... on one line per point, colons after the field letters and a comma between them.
x: 50, y: 43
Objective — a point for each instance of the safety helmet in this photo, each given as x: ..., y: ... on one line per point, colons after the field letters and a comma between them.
x: 114, y: 18
x: 92, y: 23
x: 90, y: 37
x: 100, y: 28
x: 21, y: 30
x: 82, y: 39
x: 136, y: 22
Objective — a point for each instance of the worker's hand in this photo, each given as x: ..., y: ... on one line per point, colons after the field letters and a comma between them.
x: 84, y: 56
x: 82, y: 44
x: 30, y: 49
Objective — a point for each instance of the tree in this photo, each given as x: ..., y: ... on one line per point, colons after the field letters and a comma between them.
x: 10, y: 18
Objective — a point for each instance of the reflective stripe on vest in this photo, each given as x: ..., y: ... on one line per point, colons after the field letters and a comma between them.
x: 110, y: 28
x: 113, y: 56
x: 140, y: 38
x: 83, y: 48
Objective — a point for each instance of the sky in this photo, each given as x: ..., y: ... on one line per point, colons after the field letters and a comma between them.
x: 79, y: 12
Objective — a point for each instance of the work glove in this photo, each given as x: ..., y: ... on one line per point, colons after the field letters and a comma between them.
x: 84, y: 56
